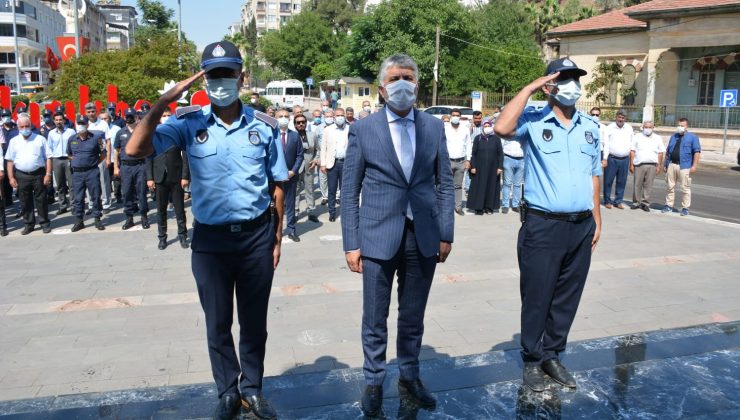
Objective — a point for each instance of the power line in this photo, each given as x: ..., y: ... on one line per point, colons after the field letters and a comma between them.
x: 490, y: 48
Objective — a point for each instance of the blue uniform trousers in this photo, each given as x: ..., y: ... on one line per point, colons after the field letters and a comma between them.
x: 615, y: 168
x: 87, y: 181
x: 554, y: 259
x: 224, y: 263
x: 291, y: 188
x: 334, y: 176
x: 133, y: 183
x: 415, y: 274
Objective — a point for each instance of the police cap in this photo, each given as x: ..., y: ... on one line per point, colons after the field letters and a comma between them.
x: 82, y: 120
x: 5, y: 113
x: 130, y: 112
x: 111, y: 105
x: 563, y: 65
x: 221, y: 54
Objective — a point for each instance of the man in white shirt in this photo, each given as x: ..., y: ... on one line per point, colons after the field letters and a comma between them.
x: 617, y: 150
x: 3, y: 225
x: 333, y: 152
x: 29, y: 170
x: 646, y: 159
x: 459, y: 148
x: 596, y: 115
x: 110, y: 138
x: 97, y: 124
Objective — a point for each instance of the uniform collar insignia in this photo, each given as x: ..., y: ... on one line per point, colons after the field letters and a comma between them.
x: 218, y: 51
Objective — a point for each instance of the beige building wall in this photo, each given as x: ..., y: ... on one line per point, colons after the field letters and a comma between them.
x: 693, y: 31
x: 666, y: 82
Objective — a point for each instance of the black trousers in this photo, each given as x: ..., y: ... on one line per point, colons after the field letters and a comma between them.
x: 554, y: 259
x: 87, y: 181
x: 133, y: 182
x: 32, y: 191
x: 7, y: 189
x: 415, y: 274
x: 164, y: 191
x: 334, y: 177
x: 2, y: 212
x: 225, y: 263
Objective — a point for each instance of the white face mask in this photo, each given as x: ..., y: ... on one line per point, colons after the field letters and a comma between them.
x: 164, y: 119
x: 647, y: 131
x: 680, y: 129
x: 7, y: 120
x: 329, y: 120
x: 81, y: 129
x: 283, y: 122
x: 222, y: 92
x: 26, y: 132
x: 366, y: 109
x: 455, y: 120
x: 254, y: 101
x: 400, y: 95
x: 340, y: 121
x: 324, y: 109
x: 488, y: 130
x: 568, y: 92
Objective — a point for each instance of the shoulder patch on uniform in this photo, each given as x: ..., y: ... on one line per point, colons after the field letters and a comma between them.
x: 180, y: 112
x: 272, y: 122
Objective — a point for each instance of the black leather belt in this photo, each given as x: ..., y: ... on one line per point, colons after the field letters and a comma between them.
x: 457, y: 160
x: 83, y: 168
x: 619, y: 158
x: 565, y: 217
x: 61, y: 158
x: 240, y: 226
x: 133, y: 162
x: 514, y: 157
x: 35, y: 172
x: 339, y: 160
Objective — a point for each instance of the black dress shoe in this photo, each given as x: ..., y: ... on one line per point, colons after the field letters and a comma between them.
x: 504, y: 210
x: 259, y: 406
x: 129, y: 223
x: 61, y: 211
x: 27, y: 230
x: 313, y: 218
x: 162, y: 243
x: 99, y: 224
x: 184, y: 241
x: 460, y: 211
x: 558, y: 373
x: 417, y: 392
x: 19, y: 215
x: 332, y: 218
x: 372, y: 400
x: 645, y: 207
x: 79, y: 224
x: 145, y: 222
x: 479, y: 212
x: 534, y: 377
x: 3, y: 231
x: 515, y: 209
x: 46, y: 229
x: 228, y: 407
x: 293, y: 237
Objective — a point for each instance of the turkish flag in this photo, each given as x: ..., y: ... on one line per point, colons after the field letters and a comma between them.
x: 51, y: 59
x: 67, y: 46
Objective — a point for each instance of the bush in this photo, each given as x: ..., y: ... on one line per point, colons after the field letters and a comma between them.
x: 248, y: 96
x: 18, y: 98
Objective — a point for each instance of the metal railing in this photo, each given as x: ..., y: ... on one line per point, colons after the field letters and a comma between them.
x: 699, y: 116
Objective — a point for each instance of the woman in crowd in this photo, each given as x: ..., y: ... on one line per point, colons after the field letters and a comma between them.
x: 486, y: 166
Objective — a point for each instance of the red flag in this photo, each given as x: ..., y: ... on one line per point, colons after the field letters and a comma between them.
x: 67, y: 46
x: 51, y: 59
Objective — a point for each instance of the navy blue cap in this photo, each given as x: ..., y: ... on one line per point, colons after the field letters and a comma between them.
x: 111, y: 105
x: 82, y: 120
x: 6, y: 113
x: 564, y: 64
x: 221, y: 54
x: 130, y: 111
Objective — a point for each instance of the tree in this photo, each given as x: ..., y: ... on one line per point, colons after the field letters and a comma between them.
x: 250, y: 34
x: 606, y: 81
x: 155, y: 19
x: 301, y: 44
x: 240, y: 41
x: 338, y: 13
x: 545, y: 16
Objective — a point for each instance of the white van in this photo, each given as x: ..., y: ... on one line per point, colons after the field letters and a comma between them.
x: 284, y: 93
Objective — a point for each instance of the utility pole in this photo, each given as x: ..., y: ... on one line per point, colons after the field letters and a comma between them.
x: 17, y: 56
x: 179, y: 34
x: 77, y: 30
x: 436, y: 69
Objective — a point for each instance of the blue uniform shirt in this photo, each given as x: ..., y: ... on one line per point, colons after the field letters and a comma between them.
x: 230, y: 167
x: 559, y: 162
x: 689, y: 146
x: 86, y: 153
x: 122, y: 137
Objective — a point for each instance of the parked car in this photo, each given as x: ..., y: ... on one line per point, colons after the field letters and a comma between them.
x: 466, y: 113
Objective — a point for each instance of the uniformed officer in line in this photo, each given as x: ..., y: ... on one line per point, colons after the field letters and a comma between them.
x: 48, y: 124
x: 236, y: 169
x: 115, y: 118
x: 561, y: 220
x: 133, y: 176
x: 86, y: 151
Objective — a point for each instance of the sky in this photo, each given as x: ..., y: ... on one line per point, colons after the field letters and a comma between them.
x: 203, y: 21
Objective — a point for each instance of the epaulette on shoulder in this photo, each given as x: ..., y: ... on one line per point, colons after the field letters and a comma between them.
x: 272, y: 122
x: 181, y: 112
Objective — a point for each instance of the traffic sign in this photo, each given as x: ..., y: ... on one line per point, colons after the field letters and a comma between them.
x: 475, y: 95
x: 728, y: 98
x: 309, y: 81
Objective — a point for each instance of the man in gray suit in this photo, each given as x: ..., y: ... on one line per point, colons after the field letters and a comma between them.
x: 308, y: 167
x: 398, y: 159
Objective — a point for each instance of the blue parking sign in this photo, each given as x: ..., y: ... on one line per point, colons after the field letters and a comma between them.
x: 309, y: 81
x: 728, y: 98
x: 475, y: 95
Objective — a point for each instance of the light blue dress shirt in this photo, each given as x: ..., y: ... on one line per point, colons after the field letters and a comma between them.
x: 559, y: 161
x: 29, y: 154
x: 230, y: 166
x: 56, y: 142
x: 396, y: 135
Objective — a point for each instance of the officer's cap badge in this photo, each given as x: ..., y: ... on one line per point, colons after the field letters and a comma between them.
x: 201, y: 136
x: 547, y: 135
x: 218, y: 51
x: 254, y: 137
x: 589, y: 137
x: 568, y: 63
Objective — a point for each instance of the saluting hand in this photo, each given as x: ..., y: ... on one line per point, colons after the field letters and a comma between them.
x: 175, y: 93
x: 537, y: 85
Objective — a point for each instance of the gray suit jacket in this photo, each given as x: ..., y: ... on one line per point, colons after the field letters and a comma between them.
x: 310, y: 149
x: 373, y: 169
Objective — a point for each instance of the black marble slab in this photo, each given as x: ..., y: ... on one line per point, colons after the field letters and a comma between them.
x: 669, y: 374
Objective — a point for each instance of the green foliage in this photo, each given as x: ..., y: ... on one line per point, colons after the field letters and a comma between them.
x: 246, y: 99
x: 606, y: 78
x: 337, y: 13
x: 240, y: 41
x: 18, y: 98
x: 301, y: 44
x: 155, y: 13
x: 250, y: 35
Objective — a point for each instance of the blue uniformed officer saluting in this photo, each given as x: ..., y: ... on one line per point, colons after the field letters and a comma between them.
x: 86, y: 151
x: 133, y: 175
x: 236, y: 170
x: 560, y: 215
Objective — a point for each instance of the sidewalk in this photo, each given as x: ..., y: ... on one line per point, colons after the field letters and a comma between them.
x: 100, y: 311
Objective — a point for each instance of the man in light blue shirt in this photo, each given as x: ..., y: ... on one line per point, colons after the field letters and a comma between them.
x: 56, y: 150
x: 560, y: 214
x: 237, y: 170
x: 29, y: 170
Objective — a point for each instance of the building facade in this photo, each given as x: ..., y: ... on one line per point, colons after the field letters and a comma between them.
x: 92, y: 24
x: 37, y: 27
x: 121, y: 24
x: 269, y: 15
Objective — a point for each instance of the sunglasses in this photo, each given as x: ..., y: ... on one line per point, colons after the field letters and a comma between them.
x: 595, y: 115
x: 300, y: 122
